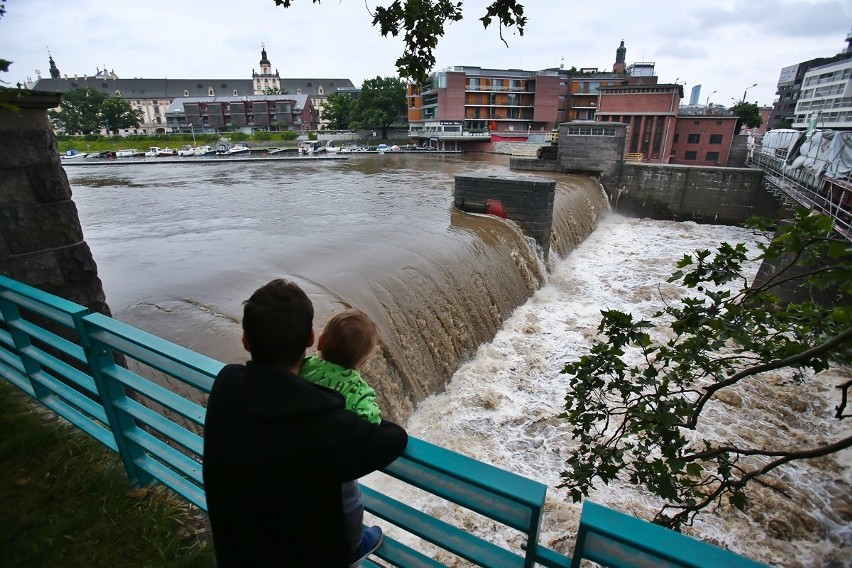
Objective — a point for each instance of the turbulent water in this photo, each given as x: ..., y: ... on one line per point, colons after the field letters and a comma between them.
x: 179, y: 247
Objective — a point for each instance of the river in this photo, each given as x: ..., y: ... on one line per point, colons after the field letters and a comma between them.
x: 476, y: 326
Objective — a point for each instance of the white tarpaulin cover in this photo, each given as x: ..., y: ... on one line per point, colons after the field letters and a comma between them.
x: 827, y: 153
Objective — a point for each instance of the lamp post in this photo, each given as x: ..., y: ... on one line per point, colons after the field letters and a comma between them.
x: 744, y: 92
x: 708, y: 99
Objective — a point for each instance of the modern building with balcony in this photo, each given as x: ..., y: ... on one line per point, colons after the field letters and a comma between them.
x: 469, y: 107
x: 790, y: 86
x: 825, y: 100
x: 252, y: 112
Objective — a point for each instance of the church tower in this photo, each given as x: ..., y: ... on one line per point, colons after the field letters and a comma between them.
x: 54, y: 72
x: 620, y: 55
x: 266, y: 79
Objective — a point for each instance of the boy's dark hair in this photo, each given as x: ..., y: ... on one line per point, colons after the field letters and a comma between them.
x: 277, y: 322
x: 348, y: 338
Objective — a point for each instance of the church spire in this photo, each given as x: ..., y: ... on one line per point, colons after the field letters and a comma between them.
x: 620, y: 56
x: 54, y: 72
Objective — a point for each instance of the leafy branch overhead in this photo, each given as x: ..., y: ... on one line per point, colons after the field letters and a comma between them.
x: 421, y: 22
x: 639, y: 399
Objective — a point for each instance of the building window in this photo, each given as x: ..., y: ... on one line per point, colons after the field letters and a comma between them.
x: 235, y: 92
x: 690, y: 155
x: 693, y: 139
x: 320, y: 90
x: 210, y: 92
x: 712, y: 156
x: 186, y: 92
x: 715, y: 138
x: 118, y: 93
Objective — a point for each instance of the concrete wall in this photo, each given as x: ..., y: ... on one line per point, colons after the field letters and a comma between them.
x: 41, y: 240
x: 526, y: 200
x: 703, y: 194
x: 600, y: 156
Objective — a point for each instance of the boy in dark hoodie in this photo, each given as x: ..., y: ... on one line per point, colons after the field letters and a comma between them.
x: 278, y: 448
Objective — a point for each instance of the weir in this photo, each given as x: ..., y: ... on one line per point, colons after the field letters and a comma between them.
x: 443, y: 306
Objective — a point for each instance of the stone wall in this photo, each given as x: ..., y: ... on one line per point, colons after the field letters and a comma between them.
x: 41, y: 240
x: 681, y: 193
x: 526, y: 200
x: 592, y: 154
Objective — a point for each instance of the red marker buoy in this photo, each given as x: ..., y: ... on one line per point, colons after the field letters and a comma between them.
x: 495, y: 207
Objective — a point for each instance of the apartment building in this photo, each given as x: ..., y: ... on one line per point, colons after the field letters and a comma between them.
x: 463, y: 107
x: 825, y: 100
x: 274, y: 112
x: 790, y: 86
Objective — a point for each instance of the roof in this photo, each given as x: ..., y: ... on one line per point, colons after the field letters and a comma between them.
x: 178, y: 103
x: 174, y: 88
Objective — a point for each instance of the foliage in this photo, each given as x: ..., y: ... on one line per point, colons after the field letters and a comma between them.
x: 86, y: 111
x: 748, y: 114
x: 65, y: 501
x: 117, y: 114
x: 638, y: 421
x: 274, y: 91
x: 339, y: 110
x: 380, y: 104
x: 422, y: 24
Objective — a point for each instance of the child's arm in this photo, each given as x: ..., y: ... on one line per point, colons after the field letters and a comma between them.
x: 362, y: 400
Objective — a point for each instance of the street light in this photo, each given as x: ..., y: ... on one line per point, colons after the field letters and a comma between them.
x: 747, y: 88
x: 708, y: 99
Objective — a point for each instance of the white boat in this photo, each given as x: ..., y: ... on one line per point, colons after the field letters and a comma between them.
x: 238, y: 148
x: 152, y: 152
x: 204, y: 151
x: 187, y: 150
x: 128, y: 153
x: 73, y: 155
x: 164, y: 152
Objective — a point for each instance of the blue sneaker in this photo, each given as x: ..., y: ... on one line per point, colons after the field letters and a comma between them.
x: 370, y: 541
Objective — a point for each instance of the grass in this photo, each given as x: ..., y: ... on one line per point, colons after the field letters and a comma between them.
x: 65, y: 501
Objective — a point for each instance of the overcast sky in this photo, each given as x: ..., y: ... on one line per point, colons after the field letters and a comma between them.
x: 723, y: 45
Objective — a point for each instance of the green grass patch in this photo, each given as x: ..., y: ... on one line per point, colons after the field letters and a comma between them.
x: 95, y: 143
x: 65, y: 501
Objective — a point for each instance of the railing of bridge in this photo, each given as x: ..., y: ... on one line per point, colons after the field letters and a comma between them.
x: 831, y: 197
x: 88, y: 369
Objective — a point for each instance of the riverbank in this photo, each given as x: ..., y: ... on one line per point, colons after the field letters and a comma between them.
x: 66, y: 501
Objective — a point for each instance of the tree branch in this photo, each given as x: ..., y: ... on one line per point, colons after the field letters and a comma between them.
x: 793, y: 360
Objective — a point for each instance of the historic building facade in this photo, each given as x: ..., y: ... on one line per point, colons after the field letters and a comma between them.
x: 152, y: 98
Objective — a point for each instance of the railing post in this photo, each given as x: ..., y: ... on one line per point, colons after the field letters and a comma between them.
x: 99, y: 358
x: 22, y: 343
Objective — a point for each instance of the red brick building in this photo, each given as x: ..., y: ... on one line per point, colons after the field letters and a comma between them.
x: 703, y: 140
x: 650, y: 112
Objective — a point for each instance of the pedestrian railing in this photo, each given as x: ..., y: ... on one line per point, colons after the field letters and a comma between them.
x: 91, y: 370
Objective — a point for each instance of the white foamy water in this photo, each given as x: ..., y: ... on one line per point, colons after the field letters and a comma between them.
x: 501, y: 407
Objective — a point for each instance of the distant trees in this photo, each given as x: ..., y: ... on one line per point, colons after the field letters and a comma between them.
x: 338, y: 110
x: 748, y: 114
x: 380, y: 104
x: 85, y: 111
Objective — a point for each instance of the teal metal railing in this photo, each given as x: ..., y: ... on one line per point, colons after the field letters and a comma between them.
x: 91, y: 370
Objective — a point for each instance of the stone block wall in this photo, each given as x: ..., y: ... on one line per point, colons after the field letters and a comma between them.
x: 41, y: 240
x: 688, y: 193
x: 526, y: 200
x: 598, y: 155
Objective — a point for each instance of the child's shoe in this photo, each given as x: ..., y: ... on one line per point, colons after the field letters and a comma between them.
x: 370, y: 541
